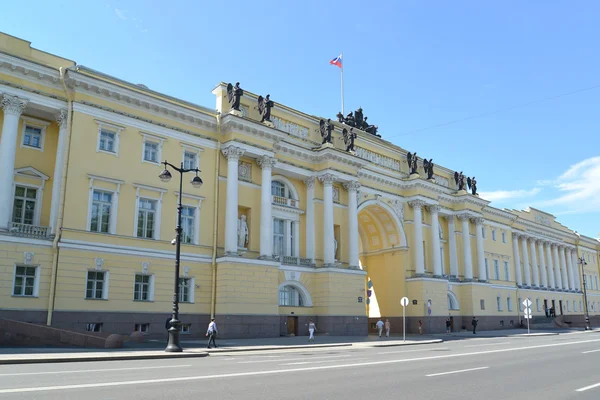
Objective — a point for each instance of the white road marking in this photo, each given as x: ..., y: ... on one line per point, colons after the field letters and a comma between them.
x: 583, y: 389
x: 281, y: 371
x: 94, y: 370
x: 291, y: 359
x: 315, y: 362
x: 591, y: 351
x: 488, y: 344
x: 412, y: 351
x: 457, y: 372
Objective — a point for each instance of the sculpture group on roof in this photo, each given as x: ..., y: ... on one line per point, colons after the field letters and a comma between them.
x: 459, y: 178
x: 357, y: 120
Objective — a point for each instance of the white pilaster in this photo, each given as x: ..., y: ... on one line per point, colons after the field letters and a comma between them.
x: 563, y: 268
x: 13, y: 108
x: 58, y: 169
x: 452, y: 246
x: 266, y: 219
x: 480, y: 252
x: 526, y: 261
x: 288, y: 237
x: 352, y: 188
x: 466, y: 238
x: 543, y: 273
x: 328, y: 234
x: 534, y: 264
x: 517, y: 259
x: 310, y: 218
x: 419, y: 259
x: 570, y: 271
x: 233, y: 155
x: 551, y: 282
x: 557, y: 273
x: 576, y: 272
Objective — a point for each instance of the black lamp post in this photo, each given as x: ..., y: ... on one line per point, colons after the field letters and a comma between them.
x: 581, y: 261
x: 174, y: 345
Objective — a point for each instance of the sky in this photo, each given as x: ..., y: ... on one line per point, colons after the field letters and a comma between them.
x: 506, y: 91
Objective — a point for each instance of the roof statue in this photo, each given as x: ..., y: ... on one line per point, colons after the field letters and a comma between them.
x: 264, y: 107
x: 411, y: 158
x: 234, y: 94
x: 459, y: 178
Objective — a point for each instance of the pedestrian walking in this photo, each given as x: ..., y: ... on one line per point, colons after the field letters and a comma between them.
x: 420, y: 327
x: 547, y: 312
x: 312, y: 328
x: 380, y: 327
x: 388, y: 326
x: 212, y: 332
x: 448, y: 326
x: 474, y: 323
x: 167, y: 326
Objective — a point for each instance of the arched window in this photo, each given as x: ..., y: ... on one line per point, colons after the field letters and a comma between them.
x: 280, y: 189
x: 291, y: 297
x: 453, y: 302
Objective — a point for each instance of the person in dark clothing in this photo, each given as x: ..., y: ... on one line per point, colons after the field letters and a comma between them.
x: 448, y: 326
x: 474, y: 323
x: 167, y: 326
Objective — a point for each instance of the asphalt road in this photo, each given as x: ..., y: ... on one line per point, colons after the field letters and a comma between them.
x: 551, y: 367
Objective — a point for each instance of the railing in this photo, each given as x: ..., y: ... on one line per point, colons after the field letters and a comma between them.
x: 32, y: 231
x: 284, y: 201
x: 289, y: 260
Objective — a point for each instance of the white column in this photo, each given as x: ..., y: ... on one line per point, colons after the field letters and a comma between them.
x: 576, y: 269
x: 563, y: 267
x: 288, y: 237
x: 570, y: 271
x: 551, y: 282
x: 419, y: 257
x: 435, y: 240
x: 534, y: 264
x: 526, y: 261
x: 266, y: 218
x: 233, y: 155
x: 543, y: 274
x: 557, y: 273
x: 517, y: 260
x: 480, y: 254
x: 352, y: 188
x: 310, y: 218
x: 466, y: 238
x: 296, y: 226
x: 13, y: 107
x: 58, y: 169
x: 328, y: 234
x: 452, y: 246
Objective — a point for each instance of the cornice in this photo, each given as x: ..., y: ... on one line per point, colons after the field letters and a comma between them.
x: 500, y: 213
x: 288, y: 209
x: 28, y: 70
x: 34, y: 97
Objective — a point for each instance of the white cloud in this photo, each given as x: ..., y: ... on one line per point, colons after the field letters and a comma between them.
x: 500, y: 195
x: 121, y: 13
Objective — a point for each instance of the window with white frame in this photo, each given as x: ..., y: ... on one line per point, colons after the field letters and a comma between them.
x: 146, y: 218
x: 186, y: 290
x: 289, y: 296
x: 24, y: 206
x: 487, y: 270
x: 97, y: 283
x: 190, y: 160
x: 94, y: 327
x: 568, y: 306
x: 278, y: 237
x: 494, y: 235
x: 496, y: 269
x: 499, y: 303
x: 26, y: 281
x: 280, y: 189
x: 483, y: 231
x: 580, y: 305
x: 521, y: 306
x: 142, y: 289
x: 482, y: 304
x: 574, y: 306
x: 509, y: 303
x: 503, y: 237
x: 188, y: 224
x: 151, y: 151
x: 506, y: 271
x: 537, y: 304
x: 186, y: 329
x: 107, y: 141
x: 33, y: 134
x: 144, y: 328
x: 101, y: 209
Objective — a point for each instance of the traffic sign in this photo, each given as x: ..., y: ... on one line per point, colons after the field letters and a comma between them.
x: 527, y: 303
x: 404, y: 301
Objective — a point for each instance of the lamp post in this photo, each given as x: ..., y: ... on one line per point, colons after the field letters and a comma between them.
x: 174, y: 345
x: 581, y: 261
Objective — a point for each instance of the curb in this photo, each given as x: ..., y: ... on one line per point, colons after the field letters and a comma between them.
x: 270, y: 348
x: 101, y: 358
x: 409, y: 344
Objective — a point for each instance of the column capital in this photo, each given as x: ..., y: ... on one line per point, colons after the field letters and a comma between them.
x: 13, y: 105
x: 449, y: 218
x: 464, y: 217
x: 352, y: 186
x: 233, y: 153
x: 434, y: 208
x: 515, y: 235
x: 478, y: 220
x: 310, y: 182
x: 416, y: 204
x: 266, y: 162
x: 327, y: 179
x: 61, y: 118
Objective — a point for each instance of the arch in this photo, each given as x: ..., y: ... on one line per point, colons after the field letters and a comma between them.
x: 304, y: 293
x: 379, y: 210
x: 453, y: 303
x: 288, y: 183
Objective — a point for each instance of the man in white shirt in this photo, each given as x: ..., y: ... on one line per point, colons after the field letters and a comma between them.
x: 212, y: 333
x: 380, y: 327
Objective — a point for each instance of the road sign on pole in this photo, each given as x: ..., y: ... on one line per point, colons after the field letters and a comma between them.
x: 404, y: 303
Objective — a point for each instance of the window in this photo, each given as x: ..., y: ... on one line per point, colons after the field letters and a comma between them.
x: 146, y: 218
x: 506, y: 271
x: 151, y: 151
x: 521, y: 307
x: 186, y: 329
x: 482, y: 304
x: 24, y: 205
x: 25, y: 283
x: 278, y: 189
x: 503, y: 237
x: 574, y: 306
x: 290, y: 296
x: 483, y: 231
x: 96, y: 285
x: 568, y: 306
x: 494, y: 235
x: 185, y: 289
x: 487, y: 270
x: 101, y: 206
x: 107, y: 141
x: 188, y: 225
x: 496, y: 269
x: 33, y: 133
x: 509, y: 303
x: 499, y: 303
x: 142, y: 290
x: 97, y: 327
x: 144, y: 328
x: 278, y: 237
x: 580, y: 305
x: 537, y: 304
x: 190, y: 160
x: 32, y: 137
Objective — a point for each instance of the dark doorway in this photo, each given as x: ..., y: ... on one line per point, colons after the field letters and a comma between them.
x: 560, y: 305
x: 553, y: 308
x: 452, y: 324
x: 292, y: 326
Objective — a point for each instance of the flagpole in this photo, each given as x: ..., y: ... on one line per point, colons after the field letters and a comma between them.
x: 342, y: 74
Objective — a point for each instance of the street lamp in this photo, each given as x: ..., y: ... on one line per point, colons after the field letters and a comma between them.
x: 174, y: 345
x: 581, y: 261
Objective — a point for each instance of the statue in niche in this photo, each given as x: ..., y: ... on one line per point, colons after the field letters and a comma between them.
x: 459, y: 178
x: 234, y: 94
x: 264, y: 107
x: 428, y: 167
x: 472, y: 183
x: 325, y: 128
x: 335, y: 248
x: 242, y: 232
x: 349, y: 139
x: 412, y: 162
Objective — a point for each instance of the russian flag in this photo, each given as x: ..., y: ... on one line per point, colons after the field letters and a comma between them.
x: 337, y: 61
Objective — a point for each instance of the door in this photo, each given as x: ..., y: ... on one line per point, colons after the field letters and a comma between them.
x: 560, y: 304
x: 546, y: 307
x: 553, y: 308
x: 292, y: 326
x: 452, y: 324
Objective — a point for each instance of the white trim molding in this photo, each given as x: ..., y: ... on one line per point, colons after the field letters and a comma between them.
x: 34, y: 123
x: 112, y: 229
x: 197, y: 204
x: 111, y: 128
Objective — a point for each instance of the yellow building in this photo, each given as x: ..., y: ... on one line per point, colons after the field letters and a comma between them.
x: 283, y: 229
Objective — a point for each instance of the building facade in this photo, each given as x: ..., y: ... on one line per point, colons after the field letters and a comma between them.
x: 283, y: 229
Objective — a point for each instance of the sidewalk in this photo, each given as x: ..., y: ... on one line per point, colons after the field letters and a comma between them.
x: 504, y: 333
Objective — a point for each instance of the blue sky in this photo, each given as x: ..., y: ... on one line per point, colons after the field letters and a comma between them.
x: 419, y: 69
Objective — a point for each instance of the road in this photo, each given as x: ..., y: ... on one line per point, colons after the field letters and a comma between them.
x: 550, y: 367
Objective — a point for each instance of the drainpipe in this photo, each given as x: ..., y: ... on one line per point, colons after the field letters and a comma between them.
x: 213, y: 294
x: 61, y: 205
